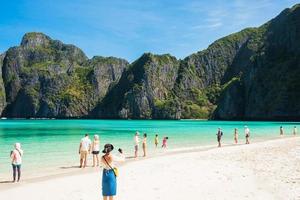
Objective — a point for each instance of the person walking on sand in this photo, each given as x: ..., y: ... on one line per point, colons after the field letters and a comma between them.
x: 16, y: 161
x: 145, y: 144
x: 84, y: 150
x: 281, y: 130
x: 95, y: 150
x: 247, y: 134
x: 136, y: 144
x: 164, y: 142
x: 219, y: 136
x: 235, y: 135
x: 156, y: 140
x: 295, y: 130
x: 110, y: 173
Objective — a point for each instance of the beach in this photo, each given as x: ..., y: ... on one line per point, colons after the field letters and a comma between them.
x: 262, y: 170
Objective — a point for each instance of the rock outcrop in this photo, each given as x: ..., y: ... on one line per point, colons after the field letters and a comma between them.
x: 268, y: 83
x: 143, y: 87
x: 46, y: 78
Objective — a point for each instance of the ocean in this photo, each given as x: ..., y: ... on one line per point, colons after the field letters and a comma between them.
x: 50, y: 145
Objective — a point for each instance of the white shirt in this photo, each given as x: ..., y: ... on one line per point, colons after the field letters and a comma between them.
x: 136, y: 140
x: 85, y: 144
x: 16, y: 157
x: 247, y: 131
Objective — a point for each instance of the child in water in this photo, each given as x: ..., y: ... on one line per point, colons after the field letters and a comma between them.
x: 164, y: 142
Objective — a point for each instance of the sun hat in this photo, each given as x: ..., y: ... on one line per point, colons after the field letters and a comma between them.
x: 108, y: 148
x: 18, y: 145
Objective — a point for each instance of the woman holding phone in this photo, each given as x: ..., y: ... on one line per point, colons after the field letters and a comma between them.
x: 109, y: 175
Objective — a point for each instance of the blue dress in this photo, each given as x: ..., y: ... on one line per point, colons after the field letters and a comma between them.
x: 109, y: 183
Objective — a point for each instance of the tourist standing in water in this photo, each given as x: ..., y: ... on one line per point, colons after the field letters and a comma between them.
x: 219, y: 136
x: 156, y: 140
x: 136, y: 144
x: 145, y: 144
x: 16, y: 161
x: 295, y: 130
x: 247, y: 134
x: 95, y: 150
x: 110, y: 173
x: 164, y: 142
x: 236, y: 136
x: 84, y: 150
x: 281, y: 130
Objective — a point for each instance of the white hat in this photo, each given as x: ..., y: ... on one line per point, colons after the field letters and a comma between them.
x: 18, y: 145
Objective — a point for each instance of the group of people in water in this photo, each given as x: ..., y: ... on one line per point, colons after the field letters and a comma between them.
x: 282, y: 131
x: 247, y: 134
x: 87, y: 147
x: 108, y: 160
x: 235, y: 135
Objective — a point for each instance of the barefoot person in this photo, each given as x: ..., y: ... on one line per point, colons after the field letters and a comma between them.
x: 136, y: 144
x: 295, y: 130
x: 144, y: 144
x: 16, y: 161
x: 247, y: 134
x: 281, y: 130
x: 236, y: 136
x: 84, y: 150
x: 95, y: 150
x: 164, y: 142
x: 156, y: 140
x: 109, y: 181
x: 219, y: 136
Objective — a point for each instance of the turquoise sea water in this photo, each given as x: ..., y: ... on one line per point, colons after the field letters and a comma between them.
x: 53, y: 144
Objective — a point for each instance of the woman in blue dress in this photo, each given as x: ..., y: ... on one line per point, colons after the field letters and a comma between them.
x: 109, y: 179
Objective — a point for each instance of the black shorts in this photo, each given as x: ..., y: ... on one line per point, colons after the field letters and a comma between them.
x: 95, y: 152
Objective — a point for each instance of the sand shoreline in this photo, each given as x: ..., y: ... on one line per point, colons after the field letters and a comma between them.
x: 75, y: 170
x: 209, y: 153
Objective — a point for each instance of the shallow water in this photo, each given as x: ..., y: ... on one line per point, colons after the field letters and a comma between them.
x: 51, y: 144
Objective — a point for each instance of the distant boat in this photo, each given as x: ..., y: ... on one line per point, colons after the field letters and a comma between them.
x: 3, y: 118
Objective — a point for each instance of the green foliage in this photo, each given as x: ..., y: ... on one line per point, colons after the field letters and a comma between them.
x: 83, y: 74
x: 194, y: 111
x: 199, y: 97
x: 231, y: 82
x: 167, y: 106
x: 233, y: 38
x: 213, y: 93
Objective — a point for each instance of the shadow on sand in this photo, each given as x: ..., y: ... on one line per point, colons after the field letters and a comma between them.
x: 6, y: 182
x: 70, y: 167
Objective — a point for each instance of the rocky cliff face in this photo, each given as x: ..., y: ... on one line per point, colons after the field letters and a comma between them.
x: 252, y: 74
x: 201, y: 75
x: 46, y: 78
x: 2, y: 88
x: 144, y: 86
x: 268, y: 84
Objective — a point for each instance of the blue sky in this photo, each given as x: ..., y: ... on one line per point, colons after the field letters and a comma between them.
x: 128, y: 28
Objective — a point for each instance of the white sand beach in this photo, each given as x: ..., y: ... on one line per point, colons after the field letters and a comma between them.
x: 264, y: 170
